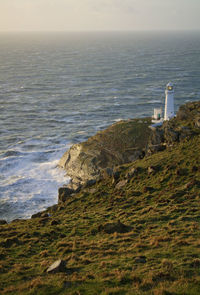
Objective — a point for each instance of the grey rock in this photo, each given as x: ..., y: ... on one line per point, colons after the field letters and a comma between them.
x: 120, y: 143
x: 64, y: 193
x: 57, y: 266
x: 153, y: 169
x: 37, y: 215
x: 75, y: 185
x: 121, y: 184
x: 131, y: 173
x: 78, y: 162
x: 124, y: 142
x: 2, y: 222
x: 90, y: 183
x: 93, y: 190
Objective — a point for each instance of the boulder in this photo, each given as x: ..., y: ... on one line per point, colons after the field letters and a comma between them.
x: 64, y: 193
x: 90, y: 183
x: 121, y: 184
x: 111, y: 228
x: 57, y: 266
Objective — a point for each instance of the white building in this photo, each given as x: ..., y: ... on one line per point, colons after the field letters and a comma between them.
x: 169, y: 107
x: 169, y: 102
x: 157, y: 114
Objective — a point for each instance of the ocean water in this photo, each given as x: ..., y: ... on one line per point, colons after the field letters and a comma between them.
x: 58, y: 89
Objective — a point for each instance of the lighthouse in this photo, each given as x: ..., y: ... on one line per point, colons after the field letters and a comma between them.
x: 169, y: 102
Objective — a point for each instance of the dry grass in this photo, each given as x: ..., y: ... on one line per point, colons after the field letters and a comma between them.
x: 164, y: 231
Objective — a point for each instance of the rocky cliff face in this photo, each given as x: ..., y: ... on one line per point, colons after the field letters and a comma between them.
x: 185, y: 125
x: 120, y: 143
x: 125, y: 142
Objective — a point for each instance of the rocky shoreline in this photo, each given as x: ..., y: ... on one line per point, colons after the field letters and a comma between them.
x: 134, y: 227
x: 103, y: 155
x: 121, y: 143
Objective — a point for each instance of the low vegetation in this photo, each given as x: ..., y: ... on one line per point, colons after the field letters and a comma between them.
x: 134, y: 232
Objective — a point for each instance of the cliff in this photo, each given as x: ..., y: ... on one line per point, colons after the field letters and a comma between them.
x: 125, y: 142
x: 120, y: 143
x: 134, y: 231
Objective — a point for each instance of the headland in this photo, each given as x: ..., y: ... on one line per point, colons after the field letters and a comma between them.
x: 128, y: 223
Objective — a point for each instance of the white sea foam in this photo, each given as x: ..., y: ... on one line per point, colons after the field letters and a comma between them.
x: 30, y: 184
x: 49, y: 97
x: 118, y: 120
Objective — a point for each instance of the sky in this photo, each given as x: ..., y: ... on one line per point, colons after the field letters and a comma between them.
x: 99, y: 15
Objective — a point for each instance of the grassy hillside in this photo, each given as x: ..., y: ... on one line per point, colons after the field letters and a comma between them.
x: 137, y: 232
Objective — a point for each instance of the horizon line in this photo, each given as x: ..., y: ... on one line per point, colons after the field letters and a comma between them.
x: 101, y: 31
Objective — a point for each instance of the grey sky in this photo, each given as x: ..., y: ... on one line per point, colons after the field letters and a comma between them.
x: 80, y: 15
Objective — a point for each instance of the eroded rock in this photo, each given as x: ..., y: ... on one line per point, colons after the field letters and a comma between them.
x: 125, y: 142
x: 120, y: 143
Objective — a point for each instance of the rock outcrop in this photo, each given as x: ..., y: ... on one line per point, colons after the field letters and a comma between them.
x: 57, y: 266
x: 184, y: 125
x: 124, y: 142
x: 115, y: 227
x: 120, y: 143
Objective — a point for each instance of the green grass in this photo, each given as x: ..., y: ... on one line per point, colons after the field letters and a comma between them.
x: 162, y: 211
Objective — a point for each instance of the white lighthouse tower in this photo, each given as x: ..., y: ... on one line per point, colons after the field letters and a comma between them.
x: 169, y: 102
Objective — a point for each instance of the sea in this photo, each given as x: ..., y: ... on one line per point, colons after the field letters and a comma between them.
x: 58, y: 89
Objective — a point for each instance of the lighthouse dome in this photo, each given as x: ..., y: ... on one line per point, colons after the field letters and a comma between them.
x: 170, y: 86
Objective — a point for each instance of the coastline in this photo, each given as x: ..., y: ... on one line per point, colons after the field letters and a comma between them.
x: 135, y: 229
